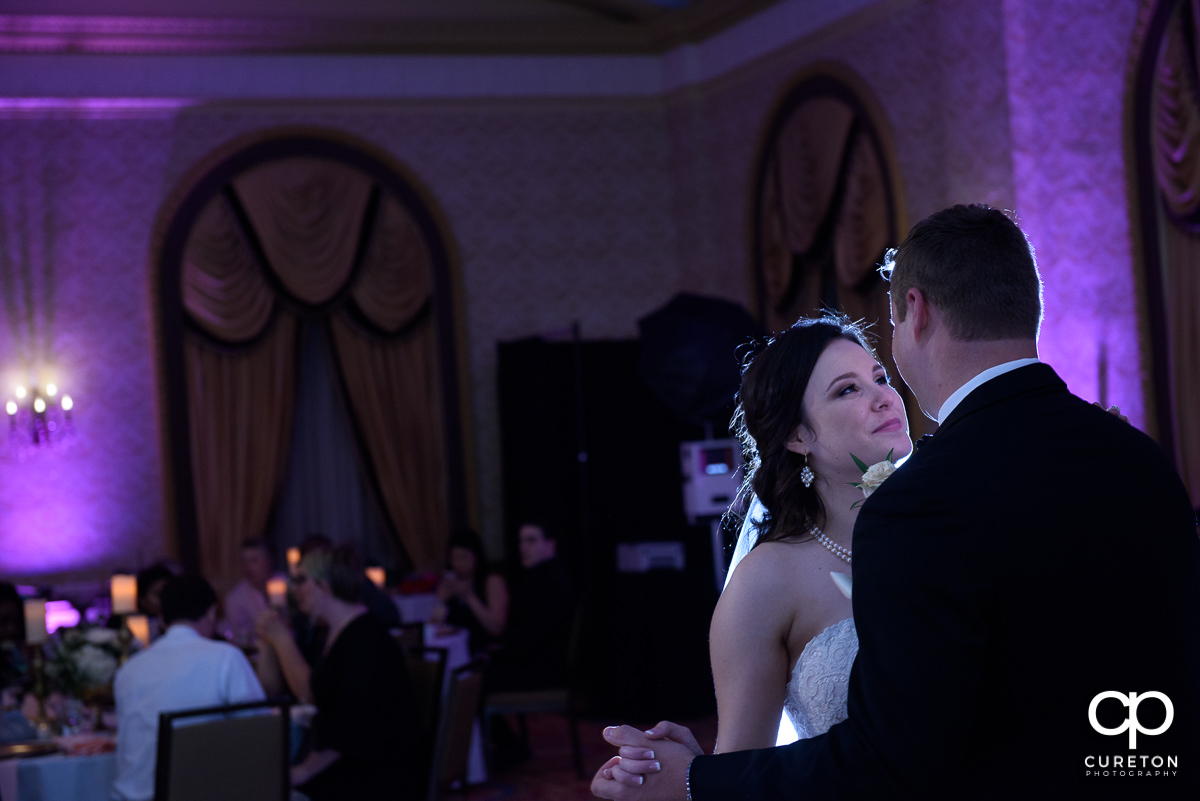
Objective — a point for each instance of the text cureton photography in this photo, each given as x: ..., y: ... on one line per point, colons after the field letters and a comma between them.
x: 1131, y: 765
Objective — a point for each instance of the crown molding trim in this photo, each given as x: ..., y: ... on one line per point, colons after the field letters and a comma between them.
x: 615, y: 27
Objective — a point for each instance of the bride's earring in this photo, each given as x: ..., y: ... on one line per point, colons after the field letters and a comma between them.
x: 806, y: 475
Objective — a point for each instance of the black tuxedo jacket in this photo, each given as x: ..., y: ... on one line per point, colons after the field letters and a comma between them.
x: 1035, y: 553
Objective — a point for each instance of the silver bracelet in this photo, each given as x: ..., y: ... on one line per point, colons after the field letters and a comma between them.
x: 687, y: 780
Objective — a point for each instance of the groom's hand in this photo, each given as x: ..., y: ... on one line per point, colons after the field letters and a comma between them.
x: 651, y: 765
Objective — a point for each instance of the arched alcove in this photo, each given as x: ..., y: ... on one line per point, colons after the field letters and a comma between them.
x: 827, y: 206
x: 1163, y: 123
x: 278, y: 233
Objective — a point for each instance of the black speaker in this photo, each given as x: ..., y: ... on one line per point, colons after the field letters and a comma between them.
x: 587, y: 447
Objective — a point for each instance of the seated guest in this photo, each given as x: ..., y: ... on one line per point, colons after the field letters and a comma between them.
x: 365, y: 711
x: 13, y: 668
x: 534, y: 652
x: 150, y: 583
x: 310, y: 633
x: 248, y: 598
x: 471, y: 596
x: 533, y: 655
x: 12, y: 615
x: 184, y: 669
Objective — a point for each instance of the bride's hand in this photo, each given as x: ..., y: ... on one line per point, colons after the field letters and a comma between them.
x: 667, y: 749
x: 1115, y: 411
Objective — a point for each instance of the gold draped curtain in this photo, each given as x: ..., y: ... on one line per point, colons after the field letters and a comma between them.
x: 307, y: 217
x: 1176, y: 141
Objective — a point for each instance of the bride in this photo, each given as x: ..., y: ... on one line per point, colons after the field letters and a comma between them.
x: 782, y: 636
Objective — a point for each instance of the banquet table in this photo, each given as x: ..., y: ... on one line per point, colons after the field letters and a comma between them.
x: 416, y: 608
x: 58, y: 777
x: 458, y: 654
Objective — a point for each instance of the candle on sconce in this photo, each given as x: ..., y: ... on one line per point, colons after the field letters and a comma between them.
x: 139, y: 627
x: 35, y: 621
x: 124, y: 594
x: 293, y: 559
x: 277, y: 591
x: 377, y: 575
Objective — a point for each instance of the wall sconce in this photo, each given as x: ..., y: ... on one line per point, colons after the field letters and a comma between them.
x: 38, y: 418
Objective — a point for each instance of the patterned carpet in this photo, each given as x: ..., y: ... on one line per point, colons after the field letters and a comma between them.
x: 550, y: 775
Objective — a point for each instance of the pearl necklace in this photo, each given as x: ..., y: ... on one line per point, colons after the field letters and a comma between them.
x: 844, y: 554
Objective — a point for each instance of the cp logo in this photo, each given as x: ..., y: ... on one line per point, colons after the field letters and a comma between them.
x: 1131, y: 723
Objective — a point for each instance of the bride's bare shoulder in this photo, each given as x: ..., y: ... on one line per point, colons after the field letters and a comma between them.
x: 768, y: 565
x: 795, y: 570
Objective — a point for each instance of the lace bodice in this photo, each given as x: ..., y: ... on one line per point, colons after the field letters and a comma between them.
x: 816, y: 694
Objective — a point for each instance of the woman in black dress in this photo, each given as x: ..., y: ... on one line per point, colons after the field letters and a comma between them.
x: 366, y: 719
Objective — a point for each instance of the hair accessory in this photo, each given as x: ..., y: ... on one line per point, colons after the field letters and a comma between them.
x: 845, y: 554
x: 806, y: 475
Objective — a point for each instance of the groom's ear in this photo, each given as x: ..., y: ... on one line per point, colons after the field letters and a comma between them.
x: 918, y: 312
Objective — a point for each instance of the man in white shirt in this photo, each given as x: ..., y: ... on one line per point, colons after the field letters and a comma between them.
x: 183, y: 669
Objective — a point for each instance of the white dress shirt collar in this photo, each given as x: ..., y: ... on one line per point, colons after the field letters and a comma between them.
x: 986, y: 375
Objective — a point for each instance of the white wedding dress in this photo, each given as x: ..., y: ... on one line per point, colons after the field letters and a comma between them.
x: 817, y: 691
x: 816, y: 695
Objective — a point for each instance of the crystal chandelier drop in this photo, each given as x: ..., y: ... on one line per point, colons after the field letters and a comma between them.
x: 38, y: 418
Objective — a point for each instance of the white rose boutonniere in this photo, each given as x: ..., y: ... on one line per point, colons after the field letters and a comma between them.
x: 873, y: 475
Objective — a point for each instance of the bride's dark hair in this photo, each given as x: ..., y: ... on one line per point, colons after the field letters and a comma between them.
x: 770, y: 407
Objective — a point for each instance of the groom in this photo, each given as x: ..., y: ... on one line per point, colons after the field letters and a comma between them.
x: 1027, y: 591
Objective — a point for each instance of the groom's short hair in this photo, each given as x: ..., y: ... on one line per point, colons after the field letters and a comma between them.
x: 976, y: 266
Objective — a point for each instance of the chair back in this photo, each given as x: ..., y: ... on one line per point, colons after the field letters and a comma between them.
x: 452, y: 747
x: 426, y: 674
x: 237, y: 752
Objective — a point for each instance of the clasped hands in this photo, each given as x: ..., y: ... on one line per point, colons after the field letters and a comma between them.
x: 649, y: 766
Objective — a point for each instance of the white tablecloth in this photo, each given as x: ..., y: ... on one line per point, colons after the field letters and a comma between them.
x: 58, y: 778
x: 458, y: 654
x: 415, y: 608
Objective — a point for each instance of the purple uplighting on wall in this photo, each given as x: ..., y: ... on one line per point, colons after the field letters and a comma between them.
x: 47, y: 531
x: 76, y: 219
x: 1067, y: 101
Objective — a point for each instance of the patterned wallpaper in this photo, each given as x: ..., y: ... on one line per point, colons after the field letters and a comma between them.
x: 595, y: 210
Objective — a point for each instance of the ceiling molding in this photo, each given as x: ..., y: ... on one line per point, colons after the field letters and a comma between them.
x: 603, y: 26
x: 626, y: 10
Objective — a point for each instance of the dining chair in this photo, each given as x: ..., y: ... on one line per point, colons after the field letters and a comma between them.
x: 426, y: 674
x: 554, y: 700
x: 452, y: 748
x: 237, y: 752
